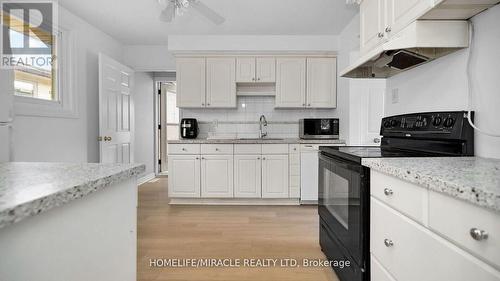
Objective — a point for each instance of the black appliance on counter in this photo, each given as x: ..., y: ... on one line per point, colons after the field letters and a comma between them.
x: 189, y: 128
x: 344, y: 184
x: 319, y: 128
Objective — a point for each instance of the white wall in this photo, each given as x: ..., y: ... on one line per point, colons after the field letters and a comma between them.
x: 149, y: 57
x: 253, y: 43
x: 144, y: 120
x: 441, y: 85
x: 65, y: 139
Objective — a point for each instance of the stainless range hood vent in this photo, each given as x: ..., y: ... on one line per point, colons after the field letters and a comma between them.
x: 419, y: 43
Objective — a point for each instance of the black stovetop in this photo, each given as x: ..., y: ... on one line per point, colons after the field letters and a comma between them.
x: 356, y: 153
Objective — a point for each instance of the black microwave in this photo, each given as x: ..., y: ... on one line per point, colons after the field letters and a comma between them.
x: 319, y: 128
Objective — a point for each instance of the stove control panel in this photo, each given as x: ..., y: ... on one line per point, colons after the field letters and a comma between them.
x: 450, y: 123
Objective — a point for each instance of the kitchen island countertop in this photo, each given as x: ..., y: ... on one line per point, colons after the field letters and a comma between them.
x: 257, y: 141
x: 28, y: 189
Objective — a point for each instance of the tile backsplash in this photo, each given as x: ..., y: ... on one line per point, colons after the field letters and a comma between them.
x: 244, y: 120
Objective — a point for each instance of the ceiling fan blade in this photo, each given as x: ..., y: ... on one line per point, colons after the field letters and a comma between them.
x: 167, y: 14
x: 207, y: 12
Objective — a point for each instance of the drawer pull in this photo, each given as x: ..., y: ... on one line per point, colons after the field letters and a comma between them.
x: 388, y: 243
x: 216, y: 149
x: 388, y: 191
x: 478, y: 234
x: 183, y: 149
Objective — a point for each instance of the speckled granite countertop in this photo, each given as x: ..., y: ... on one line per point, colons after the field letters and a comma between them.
x: 256, y: 141
x: 473, y: 179
x: 27, y: 189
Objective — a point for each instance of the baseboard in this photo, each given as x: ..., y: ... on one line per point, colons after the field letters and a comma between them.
x: 236, y: 201
x: 309, y: 202
x: 145, y: 178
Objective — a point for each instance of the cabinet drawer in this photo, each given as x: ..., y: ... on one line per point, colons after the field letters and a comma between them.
x: 245, y: 149
x: 275, y: 149
x: 403, y: 196
x: 455, y: 219
x: 418, y: 254
x: 215, y: 149
x: 293, y: 148
x: 189, y: 148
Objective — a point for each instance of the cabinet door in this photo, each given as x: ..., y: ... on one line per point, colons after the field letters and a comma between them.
x: 371, y: 13
x: 216, y: 176
x: 400, y: 13
x: 265, y: 69
x: 183, y: 176
x: 321, y: 82
x: 221, y: 82
x: 190, y: 82
x: 274, y: 176
x: 245, y: 69
x: 290, y: 82
x: 247, y: 176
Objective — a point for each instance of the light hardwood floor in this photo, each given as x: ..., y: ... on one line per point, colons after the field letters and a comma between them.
x: 236, y: 232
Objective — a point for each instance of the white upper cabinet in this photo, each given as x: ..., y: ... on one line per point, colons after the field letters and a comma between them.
x: 321, y: 83
x: 265, y: 69
x: 245, y: 69
x: 260, y: 69
x: 382, y: 19
x: 400, y: 13
x: 290, y: 82
x: 221, y: 82
x: 372, y: 17
x: 274, y: 176
x: 216, y: 176
x: 190, y: 82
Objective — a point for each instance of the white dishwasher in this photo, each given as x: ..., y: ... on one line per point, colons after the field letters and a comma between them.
x: 309, y: 170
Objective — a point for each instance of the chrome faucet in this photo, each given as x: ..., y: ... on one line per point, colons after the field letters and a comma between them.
x: 262, y: 124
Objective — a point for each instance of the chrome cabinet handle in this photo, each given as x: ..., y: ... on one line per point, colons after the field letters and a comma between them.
x: 376, y: 140
x: 208, y: 104
x: 197, y: 158
x: 380, y: 35
x: 183, y: 149
x: 253, y: 79
x: 388, y: 243
x: 202, y: 104
x: 303, y: 104
x: 388, y: 29
x: 216, y: 149
x: 258, y: 158
x: 309, y: 105
x: 258, y: 79
x: 263, y: 158
x: 478, y: 234
x: 388, y: 191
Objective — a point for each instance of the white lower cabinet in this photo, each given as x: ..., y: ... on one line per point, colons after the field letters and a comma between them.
x: 216, y: 176
x: 184, y: 176
x: 274, y: 176
x: 410, y: 251
x: 247, y: 176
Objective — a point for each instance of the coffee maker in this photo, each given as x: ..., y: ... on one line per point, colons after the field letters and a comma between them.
x: 189, y: 128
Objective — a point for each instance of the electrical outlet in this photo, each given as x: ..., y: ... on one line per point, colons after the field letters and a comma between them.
x: 395, y: 95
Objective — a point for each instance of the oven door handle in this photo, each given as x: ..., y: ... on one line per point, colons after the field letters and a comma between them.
x: 342, y: 163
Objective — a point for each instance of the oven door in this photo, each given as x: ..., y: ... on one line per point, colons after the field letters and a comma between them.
x: 343, y: 204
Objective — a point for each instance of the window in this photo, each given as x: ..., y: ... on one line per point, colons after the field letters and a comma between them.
x: 35, y: 78
x: 172, y: 109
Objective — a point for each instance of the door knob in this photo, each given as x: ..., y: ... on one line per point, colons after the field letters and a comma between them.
x: 388, y: 191
x: 388, y: 243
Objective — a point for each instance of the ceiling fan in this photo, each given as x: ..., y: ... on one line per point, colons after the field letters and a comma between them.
x: 173, y: 8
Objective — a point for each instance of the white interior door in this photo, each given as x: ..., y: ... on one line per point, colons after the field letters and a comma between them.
x: 116, y: 111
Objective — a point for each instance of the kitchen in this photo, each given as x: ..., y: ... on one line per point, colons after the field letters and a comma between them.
x: 341, y: 113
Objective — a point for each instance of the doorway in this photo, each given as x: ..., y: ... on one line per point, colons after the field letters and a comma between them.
x: 167, y: 119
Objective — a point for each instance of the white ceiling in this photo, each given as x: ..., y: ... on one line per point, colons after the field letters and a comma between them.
x: 136, y: 21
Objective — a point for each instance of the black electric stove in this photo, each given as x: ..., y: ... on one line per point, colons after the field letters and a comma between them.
x: 344, y: 184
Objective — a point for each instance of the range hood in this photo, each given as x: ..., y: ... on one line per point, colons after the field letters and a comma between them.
x: 420, y: 42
